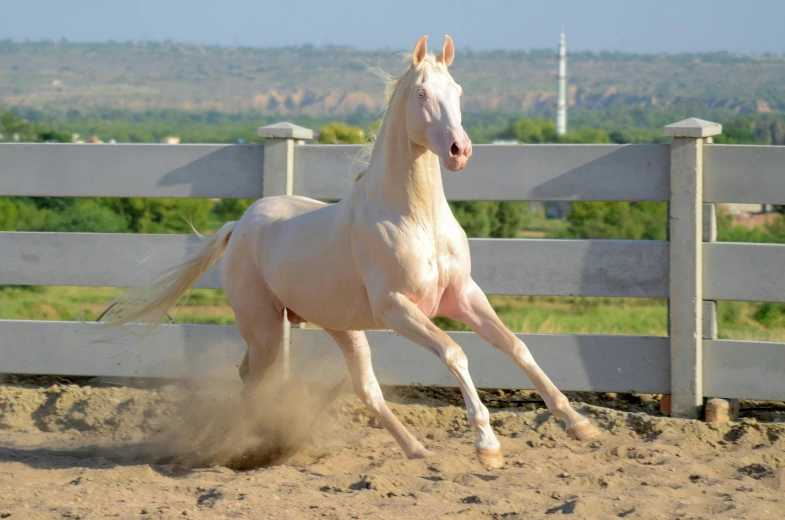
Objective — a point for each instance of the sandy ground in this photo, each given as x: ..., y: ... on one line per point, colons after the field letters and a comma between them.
x: 70, y: 451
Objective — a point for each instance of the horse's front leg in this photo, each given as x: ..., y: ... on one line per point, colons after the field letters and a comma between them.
x: 357, y: 353
x: 398, y: 313
x: 470, y: 306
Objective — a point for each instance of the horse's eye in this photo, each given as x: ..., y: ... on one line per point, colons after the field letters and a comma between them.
x: 421, y: 93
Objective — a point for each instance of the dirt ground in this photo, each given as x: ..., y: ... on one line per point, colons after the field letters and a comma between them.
x: 97, y: 451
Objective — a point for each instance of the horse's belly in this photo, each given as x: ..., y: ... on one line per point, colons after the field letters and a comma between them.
x: 333, y: 307
x: 322, y: 290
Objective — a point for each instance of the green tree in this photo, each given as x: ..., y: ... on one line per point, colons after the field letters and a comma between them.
x: 9, y: 214
x: 87, y: 215
x: 231, y: 209
x: 534, y: 131
x: 160, y: 215
x: 11, y: 124
x: 341, y: 133
x: 473, y: 216
x: 53, y: 136
x: 530, y: 131
x: 619, y: 220
x: 587, y: 136
x: 490, y: 219
x: 508, y: 219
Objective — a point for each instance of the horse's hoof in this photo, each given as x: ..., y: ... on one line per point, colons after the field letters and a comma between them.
x: 491, y: 459
x: 582, y: 430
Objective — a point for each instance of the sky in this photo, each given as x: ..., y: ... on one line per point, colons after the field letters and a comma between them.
x: 671, y: 26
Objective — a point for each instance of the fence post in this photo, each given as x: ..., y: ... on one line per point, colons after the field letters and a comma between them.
x: 278, y: 179
x: 685, y: 224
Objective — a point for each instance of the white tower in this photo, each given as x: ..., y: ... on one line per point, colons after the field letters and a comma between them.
x: 561, y: 108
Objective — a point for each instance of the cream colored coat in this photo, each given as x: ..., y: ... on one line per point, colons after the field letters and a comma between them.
x: 390, y: 255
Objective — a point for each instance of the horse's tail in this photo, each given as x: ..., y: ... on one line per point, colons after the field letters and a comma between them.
x: 149, y: 305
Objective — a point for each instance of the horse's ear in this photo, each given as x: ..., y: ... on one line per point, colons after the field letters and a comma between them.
x: 448, y: 52
x: 419, y: 51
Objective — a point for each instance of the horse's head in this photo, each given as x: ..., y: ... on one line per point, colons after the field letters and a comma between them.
x: 433, y: 106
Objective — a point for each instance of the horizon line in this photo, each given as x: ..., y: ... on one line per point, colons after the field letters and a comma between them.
x: 64, y: 40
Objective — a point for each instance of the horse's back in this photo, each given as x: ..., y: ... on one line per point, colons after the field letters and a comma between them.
x: 284, y: 207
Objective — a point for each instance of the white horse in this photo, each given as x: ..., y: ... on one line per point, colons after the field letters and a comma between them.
x: 390, y: 255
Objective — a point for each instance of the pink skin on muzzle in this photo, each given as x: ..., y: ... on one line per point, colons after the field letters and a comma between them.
x: 453, y: 146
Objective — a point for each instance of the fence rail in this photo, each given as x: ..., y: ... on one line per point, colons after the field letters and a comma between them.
x: 745, y: 174
x: 599, y: 172
x: 740, y: 369
x: 514, y: 266
x: 751, y: 272
x: 577, y: 362
x: 690, y: 268
x: 132, y: 170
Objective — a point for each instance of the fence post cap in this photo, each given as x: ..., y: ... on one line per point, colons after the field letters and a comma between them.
x: 692, y: 127
x: 284, y: 131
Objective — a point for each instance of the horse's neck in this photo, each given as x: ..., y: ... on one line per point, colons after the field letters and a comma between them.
x: 403, y: 175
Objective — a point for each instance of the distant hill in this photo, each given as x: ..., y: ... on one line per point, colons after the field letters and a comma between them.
x: 329, y: 81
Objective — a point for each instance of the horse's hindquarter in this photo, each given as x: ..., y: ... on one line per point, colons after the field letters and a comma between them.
x: 305, y: 255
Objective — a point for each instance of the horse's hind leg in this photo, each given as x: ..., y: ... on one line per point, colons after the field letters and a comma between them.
x: 258, y: 313
x: 260, y: 322
x: 474, y: 310
x: 354, y: 346
x: 262, y: 333
x: 244, y: 368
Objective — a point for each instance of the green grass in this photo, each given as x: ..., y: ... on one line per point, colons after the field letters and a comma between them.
x: 533, y: 314
x: 87, y: 303
x: 536, y: 225
x: 573, y: 315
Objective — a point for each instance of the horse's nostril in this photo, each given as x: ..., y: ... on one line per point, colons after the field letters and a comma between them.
x: 454, y: 149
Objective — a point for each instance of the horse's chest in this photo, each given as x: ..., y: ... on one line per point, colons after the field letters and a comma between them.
x: 417, y: 261
x: 428, y: 279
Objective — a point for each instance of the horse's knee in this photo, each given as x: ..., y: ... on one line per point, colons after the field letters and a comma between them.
x: 454, y: 357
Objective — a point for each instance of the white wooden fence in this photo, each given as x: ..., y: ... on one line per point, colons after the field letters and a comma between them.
x: 691, y: 269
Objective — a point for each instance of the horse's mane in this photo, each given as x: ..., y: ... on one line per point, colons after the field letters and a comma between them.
x: 391, y: 86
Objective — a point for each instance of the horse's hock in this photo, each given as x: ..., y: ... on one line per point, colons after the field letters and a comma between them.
x: 691, y: 268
